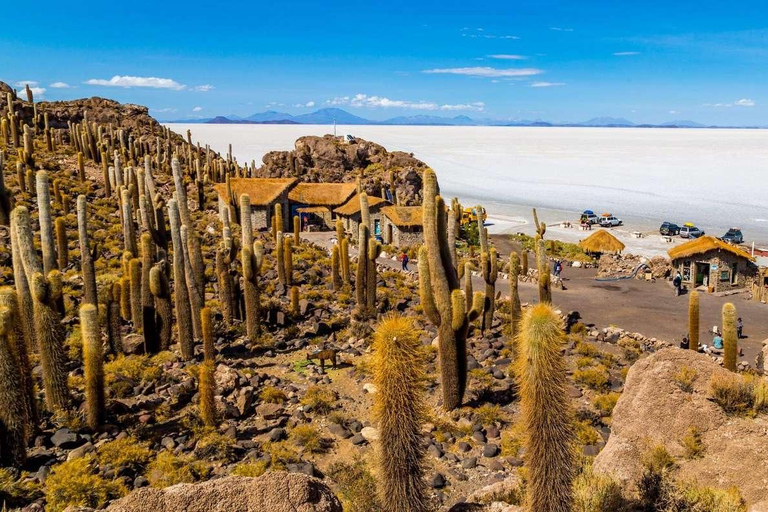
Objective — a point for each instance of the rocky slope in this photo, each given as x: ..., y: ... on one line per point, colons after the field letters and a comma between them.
x: 326, y: 159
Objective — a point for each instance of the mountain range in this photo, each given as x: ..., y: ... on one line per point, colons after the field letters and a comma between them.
x: 327, y: 116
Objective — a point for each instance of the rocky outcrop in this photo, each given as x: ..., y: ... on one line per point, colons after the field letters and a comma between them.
x: 617, y: 265
x: 274, y: 491
x: 653, y: 409
x: 328, y: 159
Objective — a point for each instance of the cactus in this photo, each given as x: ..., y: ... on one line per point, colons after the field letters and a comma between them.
x: 62, y: 242
x: 546, y: 411
x: 399, y: 409
x: 515, y: 310
x: 246, y: 224
x: 148, y: 312
x: 545, y: 289
x: 296, y: 230
x: 252, y: 259
x: 277, y: 220
x: 489, y: 261
x: 46, y: 222
x: 181, y: 193
x: 374, y: 250
x: 161, y: 291
x: 125, y: 297
x: 541, y: 228
x: 93, y: 361
x: 20, y: 347
x: 207, y: 382
x: 193, y: 290
x: 468, y: 291
x: 482, y: 232
x: 294, y: 301
x: 693, y: 320
x: 288, y: 260
x: 80, y: 166
x: 198, y: 264
x: 206, y: 321
x: 438, y: 283
x: 86, y: 256
x: 361, y: 279
x: 280, y: 258
x: 223, y: 262
x: 134, y: 274
x: 730, y: 337
x: 129, y: 230
x: 5, y: 196
x: 114, y: 335
x: 524, y: 262
x: 335, y: 273
x: 13, y: 413
x: 344, y: 256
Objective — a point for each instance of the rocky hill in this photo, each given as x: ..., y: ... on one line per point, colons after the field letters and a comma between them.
x: 326, y: 159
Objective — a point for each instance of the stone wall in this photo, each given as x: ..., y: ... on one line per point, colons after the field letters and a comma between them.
x: 721, y: 269
x: 406, y: 237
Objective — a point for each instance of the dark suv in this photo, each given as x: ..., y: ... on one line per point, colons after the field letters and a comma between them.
x: 733, y: 236
x: 669, y: 229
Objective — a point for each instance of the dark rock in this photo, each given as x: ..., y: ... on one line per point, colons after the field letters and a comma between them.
x: 490, y: 450
x: 437, y: 481
x: 140, y: 482
x: 276, y: 434
x: 64, y: 438
x: 435, y: 451
x: 469, y: 463
x: 339, y: 431
x: 358, y: 439
x: 479, y: 437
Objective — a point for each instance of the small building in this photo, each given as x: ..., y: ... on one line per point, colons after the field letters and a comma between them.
x: 714, y: 264
x: 349, y: 213
x: 264, y: 194
x: 403, y: 225
x: 315, y: 202
x: 601, y: 242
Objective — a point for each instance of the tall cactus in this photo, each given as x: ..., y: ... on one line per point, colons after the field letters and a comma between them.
x: 454, y: 228
x: 134, y: 273
x: 5, y: 196
x: 277, y: 220
x: 371, y: 276
x: 515, y: 310
x: 489, y: 262
x: 181, y: 193
x: 542, y: 264
x: 181, y: 299
x: 335, y: 272
x: 148, y: 311
x: 288, y: 260
x: 9, y: 300
x: 399, y: 409
x: 206, y: 379
x: 46, y: 222
x: 129, y: 230
x: 13, y: 413
x: 280, y: 258
x: 440, y: 295
x: 114, y: 334
x: 93, y: 359
x: 693, y: 320
x: 252, y: 259
x: 161, y: 291
x: 468, y: 290
x: 86, y: 256
x: 294, y: 301
x: 196, y: 298
x: 546, y: 411
x: 541, y: 228
x: 226, y: 296
x: 296, y: 230
x: 60, y: 228
x: 344, y: 255
x: 361, y: 275
x: 730, y: 337
x: 524, y: 262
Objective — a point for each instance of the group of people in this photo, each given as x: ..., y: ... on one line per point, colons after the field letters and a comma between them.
x: 717, y: 339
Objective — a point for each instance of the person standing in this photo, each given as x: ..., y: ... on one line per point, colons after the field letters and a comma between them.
x: 677, y: 282
x: 404, y: 259
x: 739, y: 327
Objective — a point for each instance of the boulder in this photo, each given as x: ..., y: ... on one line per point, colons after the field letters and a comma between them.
x: 654, y: 409
x: 274, y: 491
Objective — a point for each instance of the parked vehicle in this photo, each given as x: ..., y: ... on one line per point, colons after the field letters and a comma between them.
x: 610, y: 221
x: 690, y: 232
x: 733, y: 236
x: 589, y: 217
x: 669, y: 229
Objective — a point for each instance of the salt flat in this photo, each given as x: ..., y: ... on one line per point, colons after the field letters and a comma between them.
x: 713, y: 178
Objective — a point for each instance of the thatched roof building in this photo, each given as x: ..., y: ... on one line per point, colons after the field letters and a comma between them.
x: 322, y: 194
x: 601, y: 242
x: 705, y: 244
x: 261, y: 191
x: 403, y: 225
x: 713, y: 264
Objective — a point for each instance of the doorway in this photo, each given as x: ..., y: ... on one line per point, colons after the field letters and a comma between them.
x: 702, y: 274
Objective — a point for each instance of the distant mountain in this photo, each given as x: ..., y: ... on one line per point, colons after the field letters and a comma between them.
x: 683, y: 124
x: 268, y: 116
x: 425, y: 120
x: 606, y: 121
x: 226, y: 120
x: 329, y: 116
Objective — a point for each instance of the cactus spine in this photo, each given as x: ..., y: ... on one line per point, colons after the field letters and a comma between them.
x: 93, y: 359
x: 545, y: 290
x: 13, y: 413
x: 161, y: 291
x: 206, y: 381
x: 399, y: 409
x: 438, y: 282
x: 86, y: 257
x: 546, y: 411
x: 693, y: 320
x: 730, y: 337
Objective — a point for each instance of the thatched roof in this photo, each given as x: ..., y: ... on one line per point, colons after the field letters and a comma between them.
x: 704, y: 244
x: 314, y: 209
x: 322, y: 194
x: 262, y: 191
x: 352, y: 206
x: 601, y: 241
x: 404, y: 216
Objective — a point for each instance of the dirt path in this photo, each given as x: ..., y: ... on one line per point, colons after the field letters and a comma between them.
x: 651, y: 309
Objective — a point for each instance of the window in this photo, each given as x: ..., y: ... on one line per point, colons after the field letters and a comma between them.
x: 725, y: 275
x: 734, y: 273
x: 687, y: 271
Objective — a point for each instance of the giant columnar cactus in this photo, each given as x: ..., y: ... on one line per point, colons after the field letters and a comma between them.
x: 206, y: 321
x: 468, y: 291
x: 482, y: 232
x: 181, y: 193
x: 80, y: 166
x: 277, y: 220
x: 280, y: 258
x: 693, y: 320
x: 294, y: 301
x: 134, y: 274
x: 546, y: 411
x: 335, y: 273
x: 196, y: 298
x: 46, y: 222
x: 160, y: 232
x: 253, y: 260
x: 296, y: 230
x: 114, y: 335
x: 125, y: 295
x: 181, y: 299
x: 5, y: 196
x: 13, y: 413
x: 515, y: 309
x: 365, y: 212
x: 400, y: 410
x: 148, y: 312
x: 161, y: 291
x: 361, y: 275
x: 489, y: 261
x: 454, y: 228
x: 86, y: 256
x: 344, y: 255
x: 441, y: 294
x: 288, y: 260
x: 29, y: 147
x: 246, y: 224
x: 129, y: 230
x: 206, y: 377
x: 542, y: 264
x: 524, y: 262
x: 105, y: 174
x: 541, y: 228
x: 62, y: 242
x: 93, y: 361
x: 195, y: 253
x: 372, y: 278
x: 223, y: 262
x: 730, y: 337
x: 9, y: 300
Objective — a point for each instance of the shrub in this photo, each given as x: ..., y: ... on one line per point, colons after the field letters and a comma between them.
x: 273, y: 395
x: 308, y: 438
x: 586, y: 349
x: 631, y: 349
x: 586, y: 433
x: 605, y: 403
x: 356, y: 486
x: 732, y: 392
x: 657, y: 464
x: 489, y: 414
x: 512, y: 440
x: 280, y: 454
x: 692, y: 443
x: 584, y: 362
x: 685, y: 377
x: 168, y: 469
x: 595, y: 378
x: 320, y: 399
x: 251, y: 469
x: 126, y: 451
x: 214, y: 446
x: 596, y: 493
x: 17, y: 491
x: 76, y: 483
x: 688, y: 496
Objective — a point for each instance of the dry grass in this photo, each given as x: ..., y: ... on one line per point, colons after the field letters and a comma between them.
x: 739, y: 394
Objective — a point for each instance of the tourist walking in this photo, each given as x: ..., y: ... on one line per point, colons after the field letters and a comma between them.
x: 404, y: 259
x: 678, y: 283
x: 558, y: 268
x: 739, y: 327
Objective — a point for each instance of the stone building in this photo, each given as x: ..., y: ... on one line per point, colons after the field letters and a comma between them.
x: 315, y: 202
x: 349, y: 213
x: 403, y: 225
x: 715, y: 265
x: 264, y: 194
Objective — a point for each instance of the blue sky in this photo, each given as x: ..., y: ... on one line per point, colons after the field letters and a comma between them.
x: 648, y: 61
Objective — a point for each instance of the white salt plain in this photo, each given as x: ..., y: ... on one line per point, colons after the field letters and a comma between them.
x: 713, y: 178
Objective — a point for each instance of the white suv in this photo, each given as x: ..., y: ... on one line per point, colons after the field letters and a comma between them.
x: 610, y: 221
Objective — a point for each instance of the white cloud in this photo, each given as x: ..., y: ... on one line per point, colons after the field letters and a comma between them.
x: 365, y: 101
x: 486, y: 71
x: 745, y: 103
x: 164, y: 110
x: 504, y: 56
x: 37, y: 92
x: 60, y: 85
x: 137, y: 81
x: 30, y: 83
x: 480, y: 33
x: 203, y: 88
x: 308, y: 104
x: 547, y: 84
x: 625, y: 54
x: 558, y: 29
x: 197, y: 109
x: 674, y: 111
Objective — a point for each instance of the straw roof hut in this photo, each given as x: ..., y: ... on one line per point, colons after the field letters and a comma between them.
x: 403, y: 225
x: 322, y: 194
x: 712, y: 264
x: 705, y: 244
x: 261, y: 191
x: 601, y: 242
